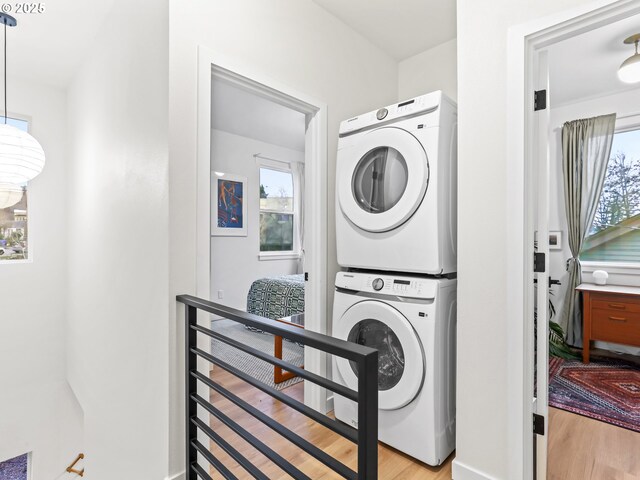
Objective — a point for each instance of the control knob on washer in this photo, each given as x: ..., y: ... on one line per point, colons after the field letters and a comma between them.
x: 377, y: 284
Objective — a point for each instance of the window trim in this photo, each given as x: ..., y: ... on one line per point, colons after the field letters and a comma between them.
x: 625, y: 123
x: 285, y: 167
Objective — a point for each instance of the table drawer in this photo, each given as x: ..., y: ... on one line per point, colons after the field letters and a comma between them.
x: 615, y: 326
x: 618, y: 303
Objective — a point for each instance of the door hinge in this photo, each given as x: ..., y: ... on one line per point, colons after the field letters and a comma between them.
x: 538, y: 424
x: 539, y: 100
x: 539, y: 262
x: 306, y: 276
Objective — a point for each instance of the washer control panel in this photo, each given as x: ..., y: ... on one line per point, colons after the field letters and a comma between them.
x: 399, y: 286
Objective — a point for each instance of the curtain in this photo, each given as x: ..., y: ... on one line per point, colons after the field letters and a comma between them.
x: 586, y: 147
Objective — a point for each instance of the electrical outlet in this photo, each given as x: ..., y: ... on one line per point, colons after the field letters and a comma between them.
x: 220, y: 294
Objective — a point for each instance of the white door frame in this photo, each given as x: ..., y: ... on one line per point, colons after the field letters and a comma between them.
x: 525, y: 41
x: 210, y: 64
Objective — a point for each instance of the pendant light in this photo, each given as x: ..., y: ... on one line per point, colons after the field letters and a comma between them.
x: 21, y: 156
x: 629, y: 71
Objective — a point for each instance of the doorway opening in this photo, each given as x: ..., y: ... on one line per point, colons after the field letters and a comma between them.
x: 261, y: 213
x: 571, y: 90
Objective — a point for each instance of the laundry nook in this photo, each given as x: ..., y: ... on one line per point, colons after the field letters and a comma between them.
x: 320, y: 239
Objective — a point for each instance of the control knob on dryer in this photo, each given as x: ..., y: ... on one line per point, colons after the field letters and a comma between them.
x: 377, y: 284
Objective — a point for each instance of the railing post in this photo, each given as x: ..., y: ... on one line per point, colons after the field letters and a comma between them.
x: 368, y: 417
x: 191, y: 407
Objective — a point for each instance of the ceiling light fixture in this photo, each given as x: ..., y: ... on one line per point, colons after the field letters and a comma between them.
x: 629, y: 71
x: 21, y: 156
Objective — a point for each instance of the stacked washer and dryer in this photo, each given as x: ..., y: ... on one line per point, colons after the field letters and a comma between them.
x: 396, y: 241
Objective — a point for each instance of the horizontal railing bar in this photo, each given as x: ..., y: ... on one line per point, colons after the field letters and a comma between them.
x: 340, y: 428
x: 301, y: 372
x: 251, y: 439
x: 200, y: 471
x: 293, y: 437
x: 226, y: 446
x: 335, y: 346
x: 217, y: 464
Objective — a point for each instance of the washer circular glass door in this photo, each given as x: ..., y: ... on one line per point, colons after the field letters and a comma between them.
x: 401, y: 366
x: 383, y: 179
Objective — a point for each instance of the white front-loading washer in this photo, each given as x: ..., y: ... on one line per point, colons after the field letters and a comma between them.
x: 411, y: 321
x: 396, y: 188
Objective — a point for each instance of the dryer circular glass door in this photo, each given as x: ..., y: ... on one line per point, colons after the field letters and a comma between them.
x: 383, y: 179
x: 401, y: 365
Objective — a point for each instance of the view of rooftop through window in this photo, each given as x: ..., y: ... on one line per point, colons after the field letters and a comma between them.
x: 276, y: 210
x: 14, y: 234
x: 615, y: 232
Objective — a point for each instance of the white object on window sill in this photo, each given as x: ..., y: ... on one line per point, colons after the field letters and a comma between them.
x: 279, y: 256
x: 600, y: 277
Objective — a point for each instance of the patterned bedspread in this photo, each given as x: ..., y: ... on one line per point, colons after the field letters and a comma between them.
x: 276, y: 297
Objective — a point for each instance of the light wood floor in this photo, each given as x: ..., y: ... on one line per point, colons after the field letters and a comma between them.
x: 392, y: 464
x: 581, y: 448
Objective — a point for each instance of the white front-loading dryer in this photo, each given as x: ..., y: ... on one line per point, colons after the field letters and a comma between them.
x: 396, y: 188
x: 411, y: 321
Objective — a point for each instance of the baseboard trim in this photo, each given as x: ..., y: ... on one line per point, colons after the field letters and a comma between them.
x: 177, y: 476
x: 460, y: 471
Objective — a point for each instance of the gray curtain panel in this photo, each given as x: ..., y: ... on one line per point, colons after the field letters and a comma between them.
x: 586, y: 148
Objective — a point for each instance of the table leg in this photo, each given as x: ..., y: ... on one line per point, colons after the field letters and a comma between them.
x: 279, y: 375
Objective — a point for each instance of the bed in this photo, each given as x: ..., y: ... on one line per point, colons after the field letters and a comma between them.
x: 276, y: 297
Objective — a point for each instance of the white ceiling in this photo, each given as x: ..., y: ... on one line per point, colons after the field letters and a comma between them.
x: 237, y: 111
x: 586, y: 66
x: 402, y: 28
x: 50, y: 46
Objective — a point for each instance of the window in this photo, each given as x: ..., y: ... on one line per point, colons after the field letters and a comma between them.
x: 615, y: 232
x: 14, y: 233
x: 277, y: 211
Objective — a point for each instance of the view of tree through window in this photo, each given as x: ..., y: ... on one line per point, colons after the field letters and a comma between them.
x: 276, y: 210
x: 14, y: 234
x: 615, y: 232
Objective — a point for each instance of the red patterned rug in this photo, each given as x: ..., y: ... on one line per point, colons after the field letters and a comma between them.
x: 605, y: 389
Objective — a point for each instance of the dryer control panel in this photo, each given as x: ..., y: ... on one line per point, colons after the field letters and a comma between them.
x: 398, y: 286
x: 423, y: 104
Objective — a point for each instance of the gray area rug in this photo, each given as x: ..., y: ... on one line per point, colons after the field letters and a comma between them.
x: 258, y: 369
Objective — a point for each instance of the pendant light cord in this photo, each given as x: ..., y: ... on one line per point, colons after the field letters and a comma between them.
x: 5, y: 72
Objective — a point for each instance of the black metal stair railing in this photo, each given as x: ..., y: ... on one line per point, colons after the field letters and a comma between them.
x: 365, y: 437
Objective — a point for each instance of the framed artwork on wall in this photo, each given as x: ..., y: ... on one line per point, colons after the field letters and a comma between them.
x: 229, y: 206
x: 555, y: 240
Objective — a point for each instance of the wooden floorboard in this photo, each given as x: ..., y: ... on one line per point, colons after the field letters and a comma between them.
x: 582, y: 448
x: 393, y: 465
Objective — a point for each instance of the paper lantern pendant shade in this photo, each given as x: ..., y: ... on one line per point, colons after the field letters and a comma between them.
x: 21, y: 156
x: 10, y: 195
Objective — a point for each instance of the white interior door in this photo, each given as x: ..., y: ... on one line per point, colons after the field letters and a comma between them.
x: 541, y: 157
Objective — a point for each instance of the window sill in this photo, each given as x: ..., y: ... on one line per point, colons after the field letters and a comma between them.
x: 278, y: 256
x: 616, y: 268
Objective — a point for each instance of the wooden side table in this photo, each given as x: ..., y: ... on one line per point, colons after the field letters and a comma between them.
x: 279, y: 375
x: 610, y: 313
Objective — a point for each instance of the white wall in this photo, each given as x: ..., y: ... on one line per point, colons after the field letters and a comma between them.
x: 118, y: 244
x: 484, y: 446
x: 294, y: 42
x: 38, y: 412
x: 433, y: 69
x: 234, y: 260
